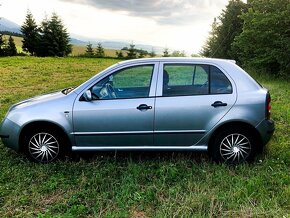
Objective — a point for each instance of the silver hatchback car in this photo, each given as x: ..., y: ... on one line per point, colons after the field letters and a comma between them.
x: 192, y: 104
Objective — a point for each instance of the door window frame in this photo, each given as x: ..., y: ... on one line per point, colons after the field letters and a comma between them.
x: 159, y: 89
x: 153, y: 82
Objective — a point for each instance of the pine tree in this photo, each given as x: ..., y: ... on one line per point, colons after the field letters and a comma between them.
x: 119, y: 54
x: 224, y: 30
x: 132, y: 52
x: 142, y: 53
x: 11, y: 48
x: 152, y: 54
x: 30, y: 34
x: 89, y: 50
x: 166, y: 53
x: 178, y: 54
x: 2, y: 46
x: 43, y: 40
x: 211, y: 43
x: 54, y: 39
x: 100, y: 53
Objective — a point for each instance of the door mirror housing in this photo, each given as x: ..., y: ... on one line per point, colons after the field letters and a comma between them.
x: 87, y: 95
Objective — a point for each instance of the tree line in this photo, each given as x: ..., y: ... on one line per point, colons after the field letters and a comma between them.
x: 256, y: 34
x: 130, y: 52
x: 50, y: 38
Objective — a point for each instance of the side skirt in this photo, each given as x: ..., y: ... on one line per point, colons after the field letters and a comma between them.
x: 149, y: 148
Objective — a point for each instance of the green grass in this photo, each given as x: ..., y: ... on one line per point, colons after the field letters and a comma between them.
x: 137, y: 184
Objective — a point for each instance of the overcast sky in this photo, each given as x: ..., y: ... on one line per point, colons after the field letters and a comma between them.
x: 177, y: 24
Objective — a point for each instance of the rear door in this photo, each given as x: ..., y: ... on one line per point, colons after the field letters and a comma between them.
x: 191, y: 99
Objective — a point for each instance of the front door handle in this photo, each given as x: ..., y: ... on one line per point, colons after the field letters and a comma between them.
x: 144, y: 107
x: 219, y: 104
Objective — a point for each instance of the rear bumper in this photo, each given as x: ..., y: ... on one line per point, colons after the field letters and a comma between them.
x: 266, y: 129
x: 9, y: 133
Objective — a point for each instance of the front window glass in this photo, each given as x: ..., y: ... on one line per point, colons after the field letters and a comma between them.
x: 133, y: 82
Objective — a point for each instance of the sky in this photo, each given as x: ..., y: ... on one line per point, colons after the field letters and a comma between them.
x: 175, y: 24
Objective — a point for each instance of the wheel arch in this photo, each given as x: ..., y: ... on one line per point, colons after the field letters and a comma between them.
x: 43, y: 124
x: 239, y: 124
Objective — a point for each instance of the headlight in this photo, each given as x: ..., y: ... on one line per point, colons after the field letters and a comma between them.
x: 6, y: 114
x: 9, y: 110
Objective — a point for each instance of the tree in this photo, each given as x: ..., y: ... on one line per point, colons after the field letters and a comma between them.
x: 100, y: 53
x: 264, y: 43
x: 132, y: 52
x: 152, y: 54
x: 142, y: 53
x: 211, y: 43
x: 195, y: 55
x: 119, y: 54
x: 178, y: 54
x: 89, y: 50
x: 54, y: 39
x: 11, y: 48
x: 43, y: 40
x: 30, y: 33
x: 125, y: 48
x: 166, y: 53
x: 2, y: 46
x: 224, y: 30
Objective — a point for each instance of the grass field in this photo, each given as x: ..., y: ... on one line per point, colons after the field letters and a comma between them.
x: 80, y: 50
x: 137, y: 184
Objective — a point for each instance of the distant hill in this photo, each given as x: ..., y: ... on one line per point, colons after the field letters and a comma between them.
x: 7, y: 25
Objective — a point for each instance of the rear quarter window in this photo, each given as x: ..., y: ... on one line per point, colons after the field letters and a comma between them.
x: 219, y: 83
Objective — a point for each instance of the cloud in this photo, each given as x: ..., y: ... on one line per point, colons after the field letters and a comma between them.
x: 166, y: 12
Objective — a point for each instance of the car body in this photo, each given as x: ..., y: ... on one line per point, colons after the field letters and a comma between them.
x: 194, y: 104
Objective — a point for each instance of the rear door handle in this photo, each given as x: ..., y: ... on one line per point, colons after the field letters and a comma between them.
x: 219, y: 104
x: 144, y: 107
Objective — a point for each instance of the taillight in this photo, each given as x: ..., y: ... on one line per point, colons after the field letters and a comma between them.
x: 268, y: 106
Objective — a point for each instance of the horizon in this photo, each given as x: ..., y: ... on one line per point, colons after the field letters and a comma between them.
x: 174, y: 24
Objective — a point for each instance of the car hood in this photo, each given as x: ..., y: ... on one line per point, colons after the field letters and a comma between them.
x: 37, y: 100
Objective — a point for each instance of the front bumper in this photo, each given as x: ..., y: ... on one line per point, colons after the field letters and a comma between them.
x: 9, y: 132
x: 266, y: 129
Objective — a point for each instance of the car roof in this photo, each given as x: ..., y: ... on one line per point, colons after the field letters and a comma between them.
x: 178, y: 59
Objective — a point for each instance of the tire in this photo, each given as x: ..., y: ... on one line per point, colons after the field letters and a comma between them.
x: 43, y: 145
x: 234, y: 146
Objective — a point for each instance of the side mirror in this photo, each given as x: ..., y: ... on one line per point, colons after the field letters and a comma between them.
x: 87, y: 95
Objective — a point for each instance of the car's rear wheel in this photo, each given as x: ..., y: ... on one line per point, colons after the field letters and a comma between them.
x: 43, y: 146
x: 234, y: 146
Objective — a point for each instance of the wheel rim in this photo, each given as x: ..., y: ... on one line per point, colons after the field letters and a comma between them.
x: 43, y: 147
x: 235, y: 148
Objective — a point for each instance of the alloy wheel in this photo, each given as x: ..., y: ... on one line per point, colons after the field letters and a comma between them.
x: 235, y: 148
x: 43, y: 147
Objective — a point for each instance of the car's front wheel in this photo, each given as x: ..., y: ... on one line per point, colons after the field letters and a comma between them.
x: 234, y: 146
x: 43, y: 146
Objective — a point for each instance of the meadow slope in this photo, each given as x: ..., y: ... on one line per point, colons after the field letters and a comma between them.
x: 137, y: 184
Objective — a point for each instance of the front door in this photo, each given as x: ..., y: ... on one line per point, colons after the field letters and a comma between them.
x: 192, y: 100
x: 121, y: 112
